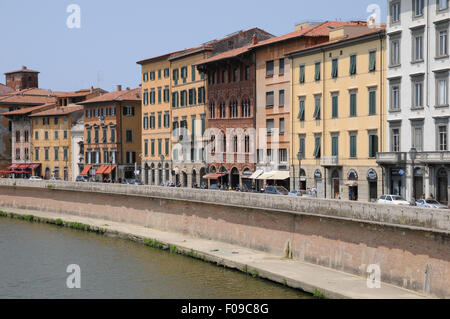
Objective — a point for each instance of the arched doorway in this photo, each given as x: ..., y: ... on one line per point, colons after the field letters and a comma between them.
x: 202, y: 173
x: 194, y: 178
x: 152, y: 173
x: 302, y: 183
x: 442, y: 186
x: 352, y: 182
x: 185, y: 179
x: 235, y: 178
x: 335, y: 183
x: 66, y: 174
x: 47, y: 173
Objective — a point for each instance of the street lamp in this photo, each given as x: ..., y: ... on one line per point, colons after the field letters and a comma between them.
x: 413, y: 156
x: 299, y: 157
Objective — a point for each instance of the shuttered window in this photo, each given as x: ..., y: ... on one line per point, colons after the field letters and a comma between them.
x: 302, y: 74
x: 301, y: 113
x: 353, y: 65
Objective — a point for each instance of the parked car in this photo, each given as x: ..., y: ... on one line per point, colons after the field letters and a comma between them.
x: 393, y: 200
x: 430, y: 203
x: 35, y: 178
x: 295, y: 193
x: 214, y: 187
x: 276, y: 190
x: 81, y: 179
x: 54, y: 179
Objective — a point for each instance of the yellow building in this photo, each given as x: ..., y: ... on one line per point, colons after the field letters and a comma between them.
x: 52, y: 141
x: 188, y: 88
x: 338, y: 114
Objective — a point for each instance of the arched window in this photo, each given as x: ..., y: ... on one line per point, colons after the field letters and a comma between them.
x: 212, y: 110
x: 223, y: 111
x: 246, y: 108
x: 233, y: 109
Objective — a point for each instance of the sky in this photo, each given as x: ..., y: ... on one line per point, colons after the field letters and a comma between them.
x: 114, y: 35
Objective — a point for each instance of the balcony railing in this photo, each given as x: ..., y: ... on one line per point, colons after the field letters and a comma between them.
x: 391, y: 158
x: 329, y: 161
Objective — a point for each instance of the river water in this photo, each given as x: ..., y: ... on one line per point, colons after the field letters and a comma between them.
x: 34, y: 259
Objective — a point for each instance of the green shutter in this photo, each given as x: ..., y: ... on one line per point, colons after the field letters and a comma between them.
x: 335, y: 106
x: 334, y: 70
x: 301, y: 113
x: 193, y: 73
x: 317, y: 75
x: 353, y: 146
x: 372, y: 103
x: 353, y: 104
x: 302, y: 74
x: 302, y: 147
x: 317, y: 148
x: 353, y: 65
x: 334, y: 145
x: 373, y: 61
x: 203, y: 125
x: 317, y: 110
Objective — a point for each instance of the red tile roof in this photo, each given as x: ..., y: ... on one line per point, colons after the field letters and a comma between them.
x: 80, y: 93
x: 117, y: 96
x: 29, y: 110
x: 28, y: 97
x: 5, y: 89
x: 59, y: 111
x: 23, y: 70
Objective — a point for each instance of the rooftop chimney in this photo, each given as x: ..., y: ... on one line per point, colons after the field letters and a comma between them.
x: 119, y: 88
x: 254, y: 39
x: 128, y: 88
x: 24, y: 67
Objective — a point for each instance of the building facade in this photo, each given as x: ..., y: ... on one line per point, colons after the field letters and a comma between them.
x: 52, y: 141
x: 417, y: 100
x: 338, y: 113
x: 112, y: 136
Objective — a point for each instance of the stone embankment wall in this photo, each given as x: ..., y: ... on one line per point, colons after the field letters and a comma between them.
x: 411, y: 245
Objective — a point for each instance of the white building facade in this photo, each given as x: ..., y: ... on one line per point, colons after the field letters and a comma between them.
x: 417, y: 91
x: 77, y: 134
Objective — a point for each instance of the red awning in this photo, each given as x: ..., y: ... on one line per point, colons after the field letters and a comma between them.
x: 34, y: 166
x: 13, y: 166
x: 86, y: 170
x: 101, y: 170
x: 5, y: 172
x: 109, y: 170
x: 23, y: 166
x: 214, y: 176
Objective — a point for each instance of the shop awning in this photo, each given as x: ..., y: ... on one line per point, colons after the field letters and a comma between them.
x: 214, y: 176
x: 5, y: 172
x: 86, y: 170
x: 275, y: 175
x: 101, y: 169
x: 34, y: 166
x: 13, y: 166
x: 23, y: 166
x: 256, y: 174
x: 109, y: 170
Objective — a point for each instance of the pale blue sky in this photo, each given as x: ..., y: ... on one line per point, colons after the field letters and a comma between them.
x: 115, y: 34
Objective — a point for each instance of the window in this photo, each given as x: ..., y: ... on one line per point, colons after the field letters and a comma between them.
x: 317, y: 146
x: 159, y: 119
x: 65, y: 135
x: 246, y: 108
x: 281, y: 98
x: 334, y: 68
x: 183, y: 98
x: 166, y: 95
x: 317, y: 72
x: 302, y: 74
x: 417, y: 137
x: 395, y: 52
x: 166, y: 72
x: 159, y: 95
x: 270, y: 126
x: 192, y: 97
x: 442, y: 90
x: 17, y: 153
x: 353, y: 105
x: 212, y: 110
x: 247, y: 73
x: 269, y: 68
x: 417, y: 48
x: 145, y: 77
x: 46, y: 135
x: 17, y: 136
x: 193, y: 73
x: 146, y: 121
x: 201, y: 95
x: 167, y: 146
x: 113, y: 135
x: 352, y: 64
x: 159, y: 74
x: 56, y: 153
x: 442, y: 5
x: 46, y: 152
x: 166, y: 119
x: 56, y: 135
x: 88, y: 137
x: 26, y: 136
x: 281, y: 125
x: 184, y: 73
x: 128, y: 111
x: 36, y: 153
x: 301, y: 110
x: 395, y: 140
x: 222, y: 110
x: 302, y: 144
x: 281, y: 67
x: 105, y: 135
x: 96, y: 136
x: 152, y: 121
x: 269, y: 99
x: 36, y: 135
x: 153, y: 147
x: 442, y: 138
x: 175, y: 76
x: 353, y: 145
x: 131, y: 157
x: 418, y: 8
x: 233, y: 109
x: 395, y: 97
x: 373, y: 145
x: 56, y: 121
x: 235, y: 75
x: 372, y: 102
x: 317, y: 101
x: 334, y: 145
x: 334, y: 106
x: 372, y: 61
x: 282, y: 155
x: 152, y: 96
x: 175, y: 99
x: 152, y: 75
x: 65, y: 154
x: 417, y: 89
x: 159, y: 147
x: 395, y: 12
x: 129, y: 136
x: 224, y: 74
x: 442, y: 43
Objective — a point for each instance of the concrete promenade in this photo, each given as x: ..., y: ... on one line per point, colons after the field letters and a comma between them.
x: 296, y: 274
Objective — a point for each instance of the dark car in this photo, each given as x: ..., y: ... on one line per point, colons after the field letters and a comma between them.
x: 81, y: 179
x: 276, y: 190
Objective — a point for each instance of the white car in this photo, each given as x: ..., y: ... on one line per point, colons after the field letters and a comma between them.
x: 430, y: 203
x: 35, y: 178
x: 393, y: 200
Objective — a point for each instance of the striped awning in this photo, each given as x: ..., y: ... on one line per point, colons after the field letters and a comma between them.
x: 109, y: 170
x: 214, y: 176
x: 102, y: 169
x: 86, y: 170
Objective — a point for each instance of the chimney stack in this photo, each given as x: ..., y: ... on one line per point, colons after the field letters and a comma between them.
x: 24, y: 67
x: 119, y: 87
x: 254, y: 39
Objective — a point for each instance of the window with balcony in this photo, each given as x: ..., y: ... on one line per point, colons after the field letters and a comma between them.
x: 395, y: 139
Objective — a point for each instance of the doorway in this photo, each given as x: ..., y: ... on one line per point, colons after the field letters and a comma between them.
x: 335, y: 182
x: 442, y: 186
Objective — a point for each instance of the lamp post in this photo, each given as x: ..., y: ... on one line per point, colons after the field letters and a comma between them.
x: 299, y: 157
x: 413, y: 156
